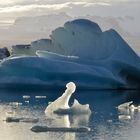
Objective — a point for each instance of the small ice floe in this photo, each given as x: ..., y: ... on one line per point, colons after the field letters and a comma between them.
x: 27, y: 102
x: 40, y: 97
x: 26, y: 97
x: 125, y: 105
x: 61, y: 106
x: 22, y: 119
x: 38, y: 129
x: 128, y: 106
x: 15, y: 104
x: 124, y: 117
x: 109, y: 121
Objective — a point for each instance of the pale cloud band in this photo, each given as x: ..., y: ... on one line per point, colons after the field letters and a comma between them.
x: 28, y: 2
x: 12, y: 9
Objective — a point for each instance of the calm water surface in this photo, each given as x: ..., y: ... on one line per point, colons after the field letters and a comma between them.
x: 103, y: 121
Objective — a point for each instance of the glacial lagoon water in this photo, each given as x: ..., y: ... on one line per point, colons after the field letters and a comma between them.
x: 104, y: 121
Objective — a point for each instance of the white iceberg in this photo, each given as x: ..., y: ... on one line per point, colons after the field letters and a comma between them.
x: 65, y: 118
x: 61, y: 105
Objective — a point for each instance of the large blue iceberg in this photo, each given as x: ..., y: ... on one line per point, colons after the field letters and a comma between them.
x: 78, y: 52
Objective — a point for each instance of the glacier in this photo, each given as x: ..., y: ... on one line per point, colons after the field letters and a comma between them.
x: 80, y: 52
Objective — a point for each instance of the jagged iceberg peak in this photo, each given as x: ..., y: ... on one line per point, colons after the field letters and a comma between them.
x: 84, y: 24
x: 84, y: 38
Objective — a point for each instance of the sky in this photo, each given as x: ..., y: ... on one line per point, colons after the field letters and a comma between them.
x: 12, y: 9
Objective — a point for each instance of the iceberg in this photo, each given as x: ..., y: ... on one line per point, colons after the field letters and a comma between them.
x: 80, y: 52
x: 61, y: 105
x: 62, y: 101
x: 65, y: 118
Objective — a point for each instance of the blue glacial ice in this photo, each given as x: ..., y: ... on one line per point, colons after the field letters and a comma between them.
x: 78, y: 52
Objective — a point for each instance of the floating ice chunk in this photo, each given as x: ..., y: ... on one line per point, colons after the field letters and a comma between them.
x: 62, y: 102
x: 40, y: 97
x: 27, y: 102
x: 26, y: 97
x: 125, y: 105
x: 15, y: 103
x: 59, y: 129
x: 124, y: 117
x: 60, y: 105
x: 109, y: 121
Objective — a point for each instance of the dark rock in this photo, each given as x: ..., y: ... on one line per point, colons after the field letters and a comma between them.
x: 4, y: 52
x: 38, y: 129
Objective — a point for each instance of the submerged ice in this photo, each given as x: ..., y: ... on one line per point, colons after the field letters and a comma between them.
x: 78, y: 52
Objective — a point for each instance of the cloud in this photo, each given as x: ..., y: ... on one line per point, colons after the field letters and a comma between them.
x: 12, y: 9
x: 30, y: 2
x: 17, y: 2
x: 20, y: 8
x: 45, y: 7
